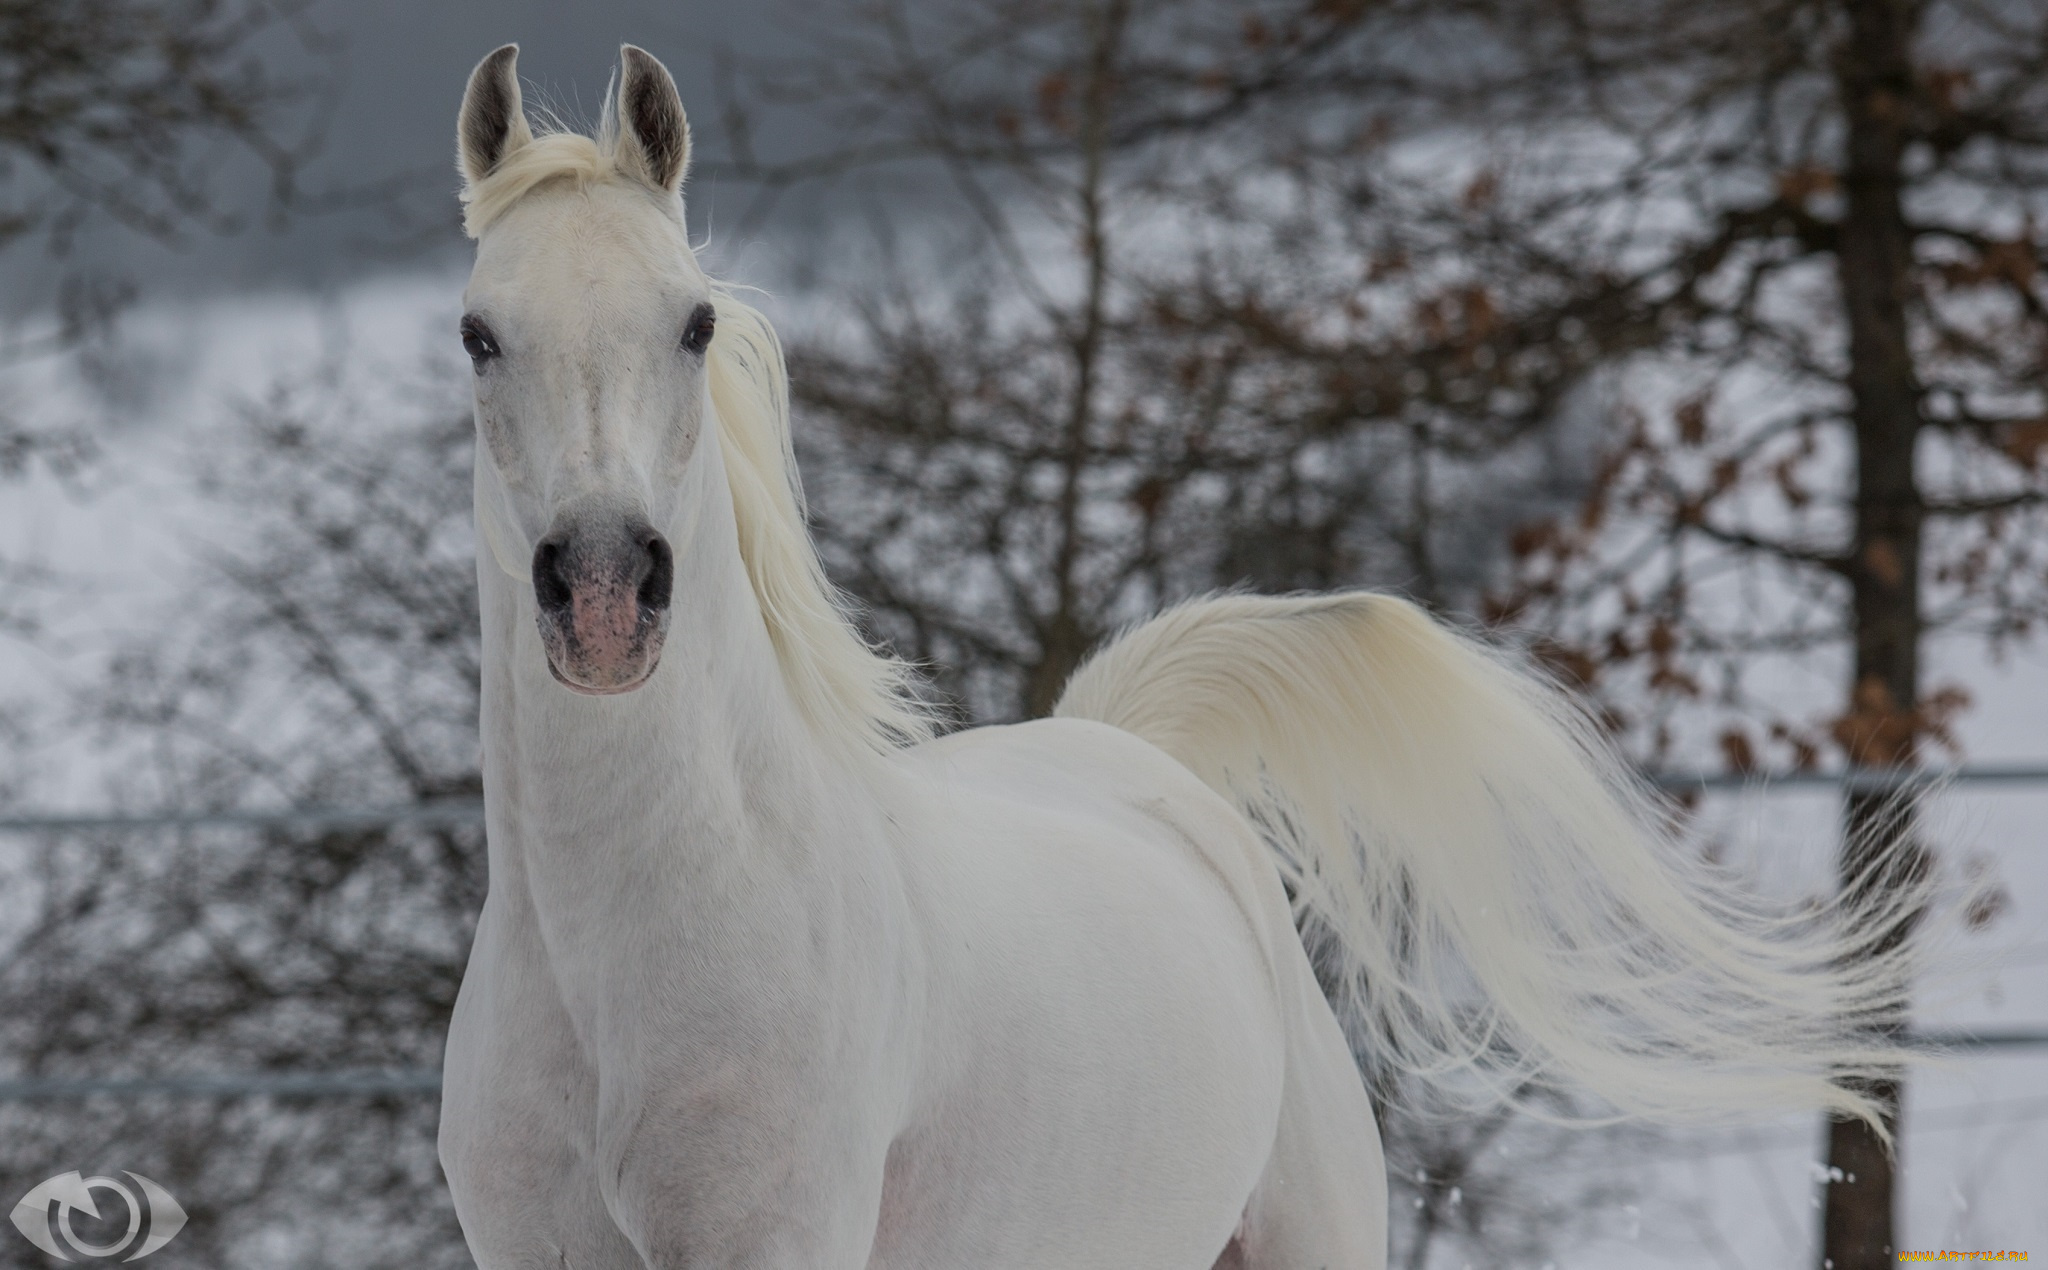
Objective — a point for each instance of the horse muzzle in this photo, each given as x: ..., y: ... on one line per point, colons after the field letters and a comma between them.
x: 603, y: 591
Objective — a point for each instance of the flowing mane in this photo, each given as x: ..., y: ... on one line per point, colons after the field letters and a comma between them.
x: 848, y: 690
x: 850, y: 693
x: 555, y: 154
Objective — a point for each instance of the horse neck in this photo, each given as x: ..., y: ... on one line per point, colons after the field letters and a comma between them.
x: 700, y: 795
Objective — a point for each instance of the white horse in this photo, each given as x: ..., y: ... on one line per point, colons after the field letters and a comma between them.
x: 768, y: 979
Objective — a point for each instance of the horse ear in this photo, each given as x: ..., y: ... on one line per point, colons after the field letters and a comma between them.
x: 654, y: 135
x: 492, y: 123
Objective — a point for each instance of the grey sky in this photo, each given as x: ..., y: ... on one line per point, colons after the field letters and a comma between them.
x: 405, y: 64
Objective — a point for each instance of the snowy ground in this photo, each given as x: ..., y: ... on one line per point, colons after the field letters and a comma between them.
x: 1976, y: 1142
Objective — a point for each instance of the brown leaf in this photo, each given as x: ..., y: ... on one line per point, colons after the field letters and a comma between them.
x: 2013, y: 262
x: 1875, y: 731
x: 1149, y: 496
x: 1785, y: 473
x: 1572, y: 667
x: 1052, y: 100
x: 1946, y: 85
x: 1737, y: 752
x: 1691, y: 417
x: 1387, y: 264
x: 1430, y: 314
x: 1936, y: 716
x: 1798, y: 184
x: 1593, y: 512
x: 2025, y: 441
x: 1482, y: 191
x: 1672, y: 680
x: 1495, y: 609
x: 1531, y: 538
x: 1481, y: 317
x: 1805, y: 752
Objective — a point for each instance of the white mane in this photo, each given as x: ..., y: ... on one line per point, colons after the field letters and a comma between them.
x: 850, y: 693
x: 848, y: 690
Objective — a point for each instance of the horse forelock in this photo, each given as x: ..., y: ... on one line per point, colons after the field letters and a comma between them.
x: 556, y: 153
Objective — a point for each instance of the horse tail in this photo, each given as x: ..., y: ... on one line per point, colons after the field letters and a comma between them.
x: 1487, y: 889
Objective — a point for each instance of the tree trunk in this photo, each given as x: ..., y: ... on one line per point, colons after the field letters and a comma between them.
x: 1873, y: 73
x: 1064, y: 641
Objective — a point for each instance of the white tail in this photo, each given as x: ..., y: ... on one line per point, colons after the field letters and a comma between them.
x: 1501, y: 898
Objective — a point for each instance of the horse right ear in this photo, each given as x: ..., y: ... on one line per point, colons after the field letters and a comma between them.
x: 492, y: 123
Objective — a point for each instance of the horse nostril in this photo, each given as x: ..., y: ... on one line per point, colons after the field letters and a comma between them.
x: 549, y: 586
x: 661, y: 574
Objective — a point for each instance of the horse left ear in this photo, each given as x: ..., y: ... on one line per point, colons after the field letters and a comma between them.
x: 492, y: 123
x: 654, y: 135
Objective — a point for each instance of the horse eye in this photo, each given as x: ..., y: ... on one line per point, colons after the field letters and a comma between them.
x: 478, y: 342
x: 697, y: 331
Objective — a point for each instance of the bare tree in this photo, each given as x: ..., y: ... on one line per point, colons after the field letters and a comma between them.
x: 328, y: 656
x: 118, y: 106
x: 160, y: 119
x: 1176, y: 344
x: 1831, y: 445
x: 146, y: 112
x: 1499, y: 1187
x: 150, y: 115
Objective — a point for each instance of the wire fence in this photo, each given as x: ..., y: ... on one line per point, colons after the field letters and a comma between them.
x: 439, y: 811
x: 411, y: 1081
x: 470, y: 811
x: 426, y: 1081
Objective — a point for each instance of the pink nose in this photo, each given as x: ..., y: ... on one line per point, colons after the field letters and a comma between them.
x: 604, y: 621
x: 603, y: 591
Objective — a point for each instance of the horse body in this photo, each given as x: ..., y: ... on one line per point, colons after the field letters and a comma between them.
x: 1018, y: 997
x: 766, y: 980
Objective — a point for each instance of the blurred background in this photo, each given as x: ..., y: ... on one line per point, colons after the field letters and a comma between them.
x: 1697, y: 347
